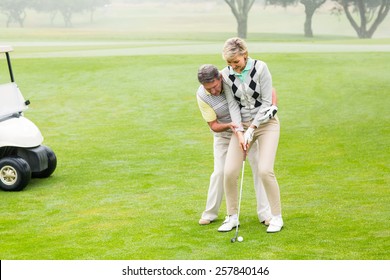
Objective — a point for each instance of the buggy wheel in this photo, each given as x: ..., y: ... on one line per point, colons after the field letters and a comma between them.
x: 15, y: 173
x: 51, y: 164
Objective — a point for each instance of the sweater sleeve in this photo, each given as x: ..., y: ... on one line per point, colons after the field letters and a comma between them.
x: 234, y: 109
x: 265, y: 80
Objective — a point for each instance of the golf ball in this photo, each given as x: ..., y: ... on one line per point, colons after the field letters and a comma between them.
x: 240, y: 239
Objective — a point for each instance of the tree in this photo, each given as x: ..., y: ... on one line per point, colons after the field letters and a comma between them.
x: 368, y: 11
x: 310, y: 7
x: 15, y: 10
x: 94, y: 4
x: 240, y: 10
x: 67, y: 8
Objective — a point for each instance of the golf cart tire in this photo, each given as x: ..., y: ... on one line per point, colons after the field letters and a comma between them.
x: 51, y: 164
x: 15, y: 174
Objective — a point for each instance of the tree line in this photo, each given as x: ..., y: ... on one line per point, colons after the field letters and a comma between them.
x: 364, y: 15
x: 15, y: 10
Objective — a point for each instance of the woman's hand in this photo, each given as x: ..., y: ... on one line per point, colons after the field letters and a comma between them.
x: 241, y: 141
x: 248, y: 136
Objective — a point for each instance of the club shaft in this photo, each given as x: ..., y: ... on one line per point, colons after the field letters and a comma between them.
x: 242, y: 182
x: 239, y: 199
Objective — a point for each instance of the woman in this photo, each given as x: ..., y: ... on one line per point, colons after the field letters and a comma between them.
x: 249, y: 83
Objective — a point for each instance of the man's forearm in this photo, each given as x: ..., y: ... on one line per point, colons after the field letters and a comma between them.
x: 219, y: 127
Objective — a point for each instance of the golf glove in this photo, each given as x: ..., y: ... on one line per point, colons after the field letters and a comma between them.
x: 268, y: 113
x: 248, y: 135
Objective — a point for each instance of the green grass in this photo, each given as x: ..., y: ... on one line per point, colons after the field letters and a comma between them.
x: 135, y: 156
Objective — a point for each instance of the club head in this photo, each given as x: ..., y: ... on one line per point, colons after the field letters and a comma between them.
x: 233, y: 240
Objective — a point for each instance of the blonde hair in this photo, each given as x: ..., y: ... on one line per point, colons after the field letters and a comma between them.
x: 233, y: 47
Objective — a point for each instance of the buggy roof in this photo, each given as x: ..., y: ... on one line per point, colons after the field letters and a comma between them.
x: 4, y: 49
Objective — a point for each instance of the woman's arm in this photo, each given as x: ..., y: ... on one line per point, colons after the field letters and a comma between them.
x: 234, y: 109
x: 265, y: 81
x: 235, y: 114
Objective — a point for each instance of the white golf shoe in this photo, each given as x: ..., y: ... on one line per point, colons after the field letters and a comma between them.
x: 275, y: 225
x: 230, y: 223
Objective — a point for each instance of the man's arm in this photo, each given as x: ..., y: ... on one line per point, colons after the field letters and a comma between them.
x: 274, y: 97
x: 210, y: 117
x: 220, y: 127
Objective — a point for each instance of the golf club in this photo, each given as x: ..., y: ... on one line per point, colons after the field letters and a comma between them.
x: 239, y: 200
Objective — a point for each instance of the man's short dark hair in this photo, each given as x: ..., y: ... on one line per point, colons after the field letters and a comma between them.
x: 207, y: 73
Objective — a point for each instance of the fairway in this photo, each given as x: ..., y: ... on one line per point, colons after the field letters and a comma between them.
x: 134, y: 160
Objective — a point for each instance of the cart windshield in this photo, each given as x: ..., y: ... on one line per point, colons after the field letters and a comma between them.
x: 11, y: 100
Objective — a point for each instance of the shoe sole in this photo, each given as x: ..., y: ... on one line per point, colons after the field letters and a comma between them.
x: 228, y: 230
x: 275, y: 231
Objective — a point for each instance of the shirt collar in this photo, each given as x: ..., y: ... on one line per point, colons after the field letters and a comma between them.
x: 248, y: 66
x: 208, y: 93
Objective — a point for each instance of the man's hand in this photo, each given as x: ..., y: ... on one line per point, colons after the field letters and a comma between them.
x: 232, y: 126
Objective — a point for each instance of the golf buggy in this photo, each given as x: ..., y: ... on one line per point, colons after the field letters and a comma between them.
x: 22, y: 156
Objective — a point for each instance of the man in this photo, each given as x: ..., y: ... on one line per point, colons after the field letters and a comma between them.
x: 215, y: 111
